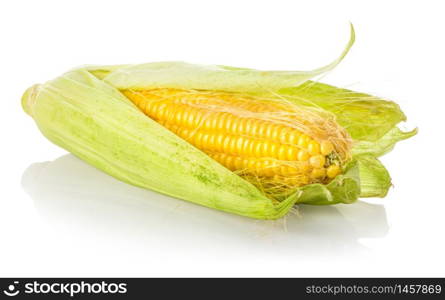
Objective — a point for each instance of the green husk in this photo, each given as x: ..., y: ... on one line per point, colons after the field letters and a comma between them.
x: 365, y: 117
x: 374, y: 178
x: 97, y: 123
x: 208, y: 77
x: 84, y: 112
x: 383, y: 145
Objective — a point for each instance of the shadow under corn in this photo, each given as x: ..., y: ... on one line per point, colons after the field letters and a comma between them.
x: 86, y: 204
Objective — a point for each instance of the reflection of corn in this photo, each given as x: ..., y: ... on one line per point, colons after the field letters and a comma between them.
x: 237, y: 132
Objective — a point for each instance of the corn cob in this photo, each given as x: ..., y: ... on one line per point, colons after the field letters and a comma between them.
x: 271, y: 142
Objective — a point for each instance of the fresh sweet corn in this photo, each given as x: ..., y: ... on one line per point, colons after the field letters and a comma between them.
x: 250, y: 136
x: 249, y: 142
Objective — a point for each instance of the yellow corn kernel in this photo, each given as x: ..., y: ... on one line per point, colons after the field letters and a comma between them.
x: 282, y: 152
x: 303, y: 167
x: 292, y: 153
x: 303, y: 141
x: 303, y: 155
x: 333, y: 170
x: 326, y: 147
x: 293, y: 137
x: 318, y: 173
x: 317, y: 161
x: 313, y: 148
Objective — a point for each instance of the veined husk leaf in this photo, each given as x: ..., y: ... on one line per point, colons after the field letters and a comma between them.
x: 384, y: 145
x: 374, y: 178
x: 184, y: 75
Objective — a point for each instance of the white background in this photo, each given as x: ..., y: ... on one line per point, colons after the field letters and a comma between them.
x: 61, y: 217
